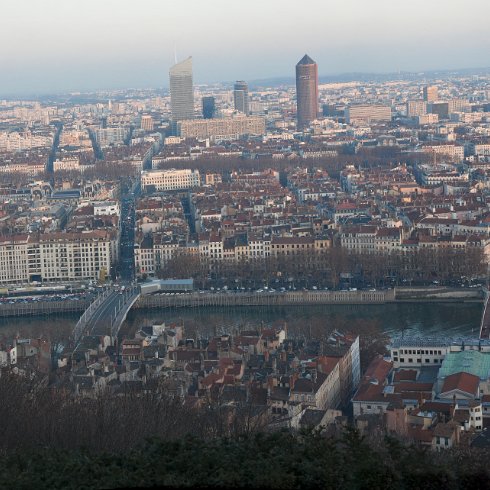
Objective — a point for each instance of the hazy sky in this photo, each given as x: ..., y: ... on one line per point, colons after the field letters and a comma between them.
x: 53, y: 45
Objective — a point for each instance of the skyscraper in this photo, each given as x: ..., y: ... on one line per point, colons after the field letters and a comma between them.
x: 147, y: 122
x: 430, y: 93
x: 208, y: 107
x: 181, y: 90
x: 240, y: 95
x: 306, y: 91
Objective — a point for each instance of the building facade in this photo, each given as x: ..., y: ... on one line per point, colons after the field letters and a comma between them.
x: 367, y: 113
x: 230, y: 128
x: 168, y: 180
x: 431, y: 93
x: 57, y: 257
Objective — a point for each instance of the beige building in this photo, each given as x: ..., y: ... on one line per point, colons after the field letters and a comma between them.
x: 416, y: 108
x: 168, y: 180
x: 431, y: 93
x: 367, y: 114
x: 230, y: 128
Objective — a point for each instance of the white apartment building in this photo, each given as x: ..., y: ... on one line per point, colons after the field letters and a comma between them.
x: 453, y: 152
x: 482, y: 150
x: 23, y: 141
x: 167, y: 180
x: 66, y: 164
x: 29, y: 169
x: 369, y: 239
x: 417, y: 353
x: 106, y: 208
x: 144, y: 259
x: 57, y: 256
x: 14, y: 264
x: 111, y: 136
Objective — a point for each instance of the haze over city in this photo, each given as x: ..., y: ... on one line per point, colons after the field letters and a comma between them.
x: 52, y: 46
x: 244, y: 244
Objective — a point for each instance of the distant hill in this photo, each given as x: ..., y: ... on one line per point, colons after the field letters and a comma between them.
x: 371, y: 77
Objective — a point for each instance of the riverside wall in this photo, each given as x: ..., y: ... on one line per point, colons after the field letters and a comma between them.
x: 264, y: 299
x: 230, y: 299
x: 43, y: 308
x: 303, y: 298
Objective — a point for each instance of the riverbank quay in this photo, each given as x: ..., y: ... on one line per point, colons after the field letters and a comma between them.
x: 303, y: 298
x: 289, y: 298
x: 40, y: 308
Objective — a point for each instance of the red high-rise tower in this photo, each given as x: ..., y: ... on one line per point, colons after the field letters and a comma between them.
x: 306, y: 91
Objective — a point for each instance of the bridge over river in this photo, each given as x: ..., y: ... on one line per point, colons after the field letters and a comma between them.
x: 106, y: 313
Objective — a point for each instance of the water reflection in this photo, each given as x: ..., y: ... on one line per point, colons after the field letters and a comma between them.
x: 449, y: 319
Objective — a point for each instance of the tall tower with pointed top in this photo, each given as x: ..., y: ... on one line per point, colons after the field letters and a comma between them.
x: 181, y: 91
x: 306, y: 91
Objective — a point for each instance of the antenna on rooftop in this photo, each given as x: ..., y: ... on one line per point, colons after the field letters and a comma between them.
x: 175, y: 54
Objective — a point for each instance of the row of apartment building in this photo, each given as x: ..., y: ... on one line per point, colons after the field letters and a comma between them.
x: 155, y: 251
x: 57, y: 256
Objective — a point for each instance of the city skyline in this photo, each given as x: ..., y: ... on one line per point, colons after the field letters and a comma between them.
x: 369, y: 38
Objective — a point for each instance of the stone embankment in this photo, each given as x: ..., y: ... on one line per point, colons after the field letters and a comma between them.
x: 290, y: 298
x: 42, y: 308
x: 264, y: 299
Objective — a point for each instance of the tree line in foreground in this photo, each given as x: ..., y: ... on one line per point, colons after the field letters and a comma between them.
x: 263, y: 460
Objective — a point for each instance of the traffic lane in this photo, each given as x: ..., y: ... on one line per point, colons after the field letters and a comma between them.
x: 102, y: 321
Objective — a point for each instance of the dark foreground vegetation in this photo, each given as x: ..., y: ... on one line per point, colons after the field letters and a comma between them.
x: 51, y: 439
x: 263, y: 460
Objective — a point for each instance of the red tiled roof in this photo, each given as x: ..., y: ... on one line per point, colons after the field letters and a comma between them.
x: 412, y: 386
x: 379, y: 369
x: 420, y: 435
x: 405, y: 375
x: 465, y: 382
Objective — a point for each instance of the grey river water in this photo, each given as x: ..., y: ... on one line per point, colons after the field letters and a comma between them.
x: 413, y: 319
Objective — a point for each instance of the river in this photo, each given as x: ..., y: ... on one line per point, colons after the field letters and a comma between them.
x: 413, y: 319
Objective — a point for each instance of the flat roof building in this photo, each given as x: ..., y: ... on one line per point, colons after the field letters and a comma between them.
x: 169, y: 180
x: 367, y: 113
x: 229, y: 128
